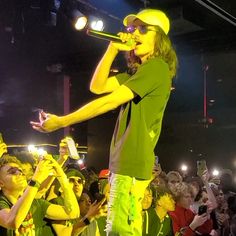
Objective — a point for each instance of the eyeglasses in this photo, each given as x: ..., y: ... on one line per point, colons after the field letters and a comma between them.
x: 14, y: 171
x: 143, y: 29
x: 77, y: 180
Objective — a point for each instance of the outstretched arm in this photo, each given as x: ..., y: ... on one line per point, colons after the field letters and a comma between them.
x: 49, y: 122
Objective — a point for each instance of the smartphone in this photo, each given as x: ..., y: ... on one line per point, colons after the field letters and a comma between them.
x: 202, y: 209
x: 201, y: 167
x: 73, y: 153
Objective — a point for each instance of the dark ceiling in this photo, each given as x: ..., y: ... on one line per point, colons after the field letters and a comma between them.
x: 36, y: 52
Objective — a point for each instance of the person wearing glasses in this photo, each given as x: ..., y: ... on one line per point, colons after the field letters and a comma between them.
x: 88, y: 211
x: 142, y: 92
x: 20, y: 212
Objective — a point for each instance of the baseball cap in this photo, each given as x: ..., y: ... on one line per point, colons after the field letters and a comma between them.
x: 104, y: 174
x: 151, y: 17
x: 74, y: 173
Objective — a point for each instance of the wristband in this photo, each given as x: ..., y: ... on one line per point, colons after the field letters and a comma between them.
x: 86, y: 221
x: 34, y: 183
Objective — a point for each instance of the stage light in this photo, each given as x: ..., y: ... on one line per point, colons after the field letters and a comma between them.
x: 97, y: 25
x: 41, y: 152
x: 215, y: 172
x: 79, y: 19
x: 32, y: 148
x: 184, y: 168
x: 80, y: 162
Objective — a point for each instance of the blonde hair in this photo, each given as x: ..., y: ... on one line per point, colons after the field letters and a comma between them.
x: 181, y: 189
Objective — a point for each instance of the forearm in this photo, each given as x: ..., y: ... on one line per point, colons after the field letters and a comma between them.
x: 91, y: 110
x: 211, y: 196
x: 70, y: 202
x: 101, y: 74
x: 79, y: 227
x: 45, y: 187
x: 21, y: 208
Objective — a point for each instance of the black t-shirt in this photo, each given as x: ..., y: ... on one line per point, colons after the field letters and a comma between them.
x: 139, y: 123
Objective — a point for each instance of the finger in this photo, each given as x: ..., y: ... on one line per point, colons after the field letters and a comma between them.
x: 42, y: 117
x: 38, y: 128
x: 43, y: 114
x: 94, y: 203
x: 35, y: 123
x: 101, y: 202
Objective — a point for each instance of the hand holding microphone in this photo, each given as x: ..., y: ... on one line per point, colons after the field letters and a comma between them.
x: 122, y: 41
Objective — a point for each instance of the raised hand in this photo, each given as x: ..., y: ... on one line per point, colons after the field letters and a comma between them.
x: 44, y: 169
x: 47, y: 123
x: 97, y: 209
x: 205, y: 176
x: 128, y: 42
x: 3, y: 149
x: 198, y: 221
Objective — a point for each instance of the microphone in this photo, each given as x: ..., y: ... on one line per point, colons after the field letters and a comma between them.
x: 103, y: 35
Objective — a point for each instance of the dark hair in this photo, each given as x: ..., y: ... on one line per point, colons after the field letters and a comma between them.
x: 161, y: 191
x: 25, y: 157
x: 163, y: 49
x: 232, y: 204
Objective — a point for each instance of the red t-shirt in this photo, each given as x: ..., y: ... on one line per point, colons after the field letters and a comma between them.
x: 182, y: 218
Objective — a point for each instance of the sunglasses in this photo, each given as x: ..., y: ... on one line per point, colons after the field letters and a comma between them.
x: 77, y: 180
x: 143, y: 29
x: 14, y: 171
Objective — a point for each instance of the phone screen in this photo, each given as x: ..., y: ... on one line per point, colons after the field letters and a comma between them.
x: 72, y: 148
x: 202, y: 209
x: 201, y: 167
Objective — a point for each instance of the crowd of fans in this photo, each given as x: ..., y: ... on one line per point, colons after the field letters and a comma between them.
x: 52, y: 196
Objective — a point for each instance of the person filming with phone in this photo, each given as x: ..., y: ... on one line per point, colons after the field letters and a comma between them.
x: 184, y: 221
x: 20, y: 212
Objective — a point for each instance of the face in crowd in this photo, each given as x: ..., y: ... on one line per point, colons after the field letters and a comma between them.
x: 147, y: 199
x: 166, y: 202
x: 172, y: 183
x: 186, y: 200
x: 12, y: 178
x: 77, y: 183
x: 63, y: 148
x: 84, y: 203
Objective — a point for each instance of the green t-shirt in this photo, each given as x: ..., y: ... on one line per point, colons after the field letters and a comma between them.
x: 139, y: 123
x: 34, y: 223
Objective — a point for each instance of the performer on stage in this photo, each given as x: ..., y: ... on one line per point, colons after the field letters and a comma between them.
x: 142, y: 92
